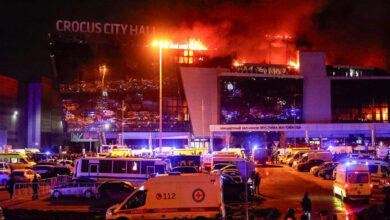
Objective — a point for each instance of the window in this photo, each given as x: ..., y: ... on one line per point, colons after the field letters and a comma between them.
x: 137, y: 200
x: 373, y: 168
x: 5, y: 160
x: 93, y: 168
x: 358, y: 178
x: 84, y: 165
x: 105, y: 166
x: 133, y: 167
x: 144, y: 165
x: 14, y: 160
x: 160, y: 169
x: 22, y: 160
x: 119, y: 166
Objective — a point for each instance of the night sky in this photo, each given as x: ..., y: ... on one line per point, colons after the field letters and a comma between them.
x: 352, y: 32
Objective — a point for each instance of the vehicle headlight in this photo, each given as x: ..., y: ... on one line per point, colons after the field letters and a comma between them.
x: 110, y: 211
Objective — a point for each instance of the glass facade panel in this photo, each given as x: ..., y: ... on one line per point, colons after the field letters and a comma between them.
x: 253, y: 100
x: 360, y: 100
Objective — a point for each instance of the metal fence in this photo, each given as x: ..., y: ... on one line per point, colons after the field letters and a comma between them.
x: 44, y: 186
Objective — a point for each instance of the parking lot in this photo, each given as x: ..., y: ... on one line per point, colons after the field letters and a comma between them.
x: 281, y: 187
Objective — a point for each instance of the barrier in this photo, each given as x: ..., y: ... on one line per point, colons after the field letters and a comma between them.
x: 44, y: 186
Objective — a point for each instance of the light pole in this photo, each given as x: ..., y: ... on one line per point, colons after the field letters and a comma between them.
x: 161, y: 44
x: 103, y: 70
x: 160, y: 105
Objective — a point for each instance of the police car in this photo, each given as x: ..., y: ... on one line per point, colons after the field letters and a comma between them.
x: 86, y: 189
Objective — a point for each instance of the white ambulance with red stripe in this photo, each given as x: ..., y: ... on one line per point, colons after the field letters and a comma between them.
x: 177, y: 196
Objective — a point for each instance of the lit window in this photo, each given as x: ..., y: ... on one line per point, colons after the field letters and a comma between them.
x: 180, y: 59
x: 190, y: 60
x: 186, y: 53
x: 191, y: 53
x: 185, y: 59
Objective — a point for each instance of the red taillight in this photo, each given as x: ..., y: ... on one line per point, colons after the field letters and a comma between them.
x: 371, y: 185
x: 346, y: 185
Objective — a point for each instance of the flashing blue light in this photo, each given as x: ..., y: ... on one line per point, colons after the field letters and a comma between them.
x: 354, y: 162
x: 255, y: 147
x: 366, y: 163
x: 330, y: 146
x: 47, y: 152
x: 347, y: 163
x: 143, y: 148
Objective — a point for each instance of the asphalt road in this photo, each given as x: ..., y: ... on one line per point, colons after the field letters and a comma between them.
x: 283, y: 188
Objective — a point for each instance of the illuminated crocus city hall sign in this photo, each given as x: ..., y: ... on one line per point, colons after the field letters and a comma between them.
x: 103, y: 28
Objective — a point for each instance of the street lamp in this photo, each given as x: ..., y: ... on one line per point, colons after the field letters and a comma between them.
x: 160, y: 44
x: 103, y: 70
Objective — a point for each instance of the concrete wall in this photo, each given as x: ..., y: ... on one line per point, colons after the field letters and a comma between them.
x: 316, y: 88
x: 201, y: 84
x: 34, y: 115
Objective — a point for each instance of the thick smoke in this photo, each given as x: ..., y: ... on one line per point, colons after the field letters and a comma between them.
x: 352, y: 32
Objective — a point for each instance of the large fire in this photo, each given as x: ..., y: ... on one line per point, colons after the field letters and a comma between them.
x: 192, y: 44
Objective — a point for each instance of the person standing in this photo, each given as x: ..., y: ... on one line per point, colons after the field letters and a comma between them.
x: 11, y: 184
x: 290, y: 215
x: 306, y: 205
x: 35, y: 187
x: 257, y: 183
x: 386, y: 206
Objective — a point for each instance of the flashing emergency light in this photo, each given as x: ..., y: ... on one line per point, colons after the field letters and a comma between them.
x: 47, y: 152
x: 354, y: 162
x: 366, y: 163
x: 255, y: 146
x: 347, y: 163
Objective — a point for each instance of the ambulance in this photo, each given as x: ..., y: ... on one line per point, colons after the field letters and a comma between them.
x: 174, y: 196
x: 353, y: 181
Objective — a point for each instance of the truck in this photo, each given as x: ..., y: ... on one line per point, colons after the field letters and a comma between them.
x: 169, y: 196
x: 259, y: 155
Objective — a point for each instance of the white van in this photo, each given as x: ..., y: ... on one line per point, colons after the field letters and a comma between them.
x: 352, y: 181
x: 342, y: 149
x: 183, y: 196
x: 378, y: 169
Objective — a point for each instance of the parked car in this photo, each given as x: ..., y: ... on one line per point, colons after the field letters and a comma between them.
x: 62, y: 170
x: 317, y: 169
x: 66, y: 163
x: 4, y: 176
x: 230, y: 167
x: 116, y: 190
x: 46, y: 163
x: 87, y: 189
x: 234, y: 186
x: 24, y: 175
x: 305, y: 167
x: 327, y: 173
x: 185, y: 169
x: 41, y: 169
x: 4, y: 166
x: 219, y: 166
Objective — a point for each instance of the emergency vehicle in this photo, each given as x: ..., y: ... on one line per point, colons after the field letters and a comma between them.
x: 134, y: 170
x: 171, y: 197
x: 114, y: 150
x: 379, y: 169
x: 353, y: 181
